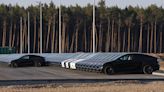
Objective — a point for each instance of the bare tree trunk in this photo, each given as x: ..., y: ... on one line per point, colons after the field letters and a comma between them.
x: 25, y: 35
x: 151, y: 38
x: 63, y: 36
x: 4, y: 33
x: 100, y: 38
x: 85, y: 36
x: 77, y: 36
x: 96, y: 40
x: 115, y: 41
x: 76, y: 40
x: 14, y: 32
x: 56, y: 42
x: 18, y: 42
x: 11, y: 33
x: 148, y: 38
x: 67, y: 44
x: 34, y: 34
x: 132, y: 42
x: 83, y: 40
x: 66, y: 47
x: 124, y: 36
x: 48, y: 34
x: 161, y: 42
x: 135, y: 42
x: 140, y: 38
x: 45, y: 35
x: 38, y: 40
x: 108, y: 36
x: 118, y: 39
x: 53, y: 35
x: 155, y: 37
x: 107, y: 42
x: 91, y: 44
x: 112, y: 39
x: 72, y: 43
x: 129, y: 41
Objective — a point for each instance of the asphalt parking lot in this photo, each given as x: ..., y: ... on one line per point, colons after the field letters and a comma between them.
x: 54, y: 72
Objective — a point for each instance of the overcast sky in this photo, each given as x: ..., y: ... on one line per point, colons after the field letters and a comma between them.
x: 119, y: 3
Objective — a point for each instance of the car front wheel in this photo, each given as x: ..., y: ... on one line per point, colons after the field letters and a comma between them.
x: 108, y: 70
x: 147, y: 69
x: 13, y: 64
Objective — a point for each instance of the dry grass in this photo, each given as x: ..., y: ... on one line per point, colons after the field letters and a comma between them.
x: 108, y: 87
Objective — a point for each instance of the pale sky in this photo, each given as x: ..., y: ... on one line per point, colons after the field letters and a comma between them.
x: 119, y: 3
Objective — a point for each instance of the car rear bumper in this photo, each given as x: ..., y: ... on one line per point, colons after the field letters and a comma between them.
x: 156, y: 67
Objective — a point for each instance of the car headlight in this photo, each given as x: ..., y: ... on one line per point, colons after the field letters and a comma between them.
x: 101, y: 67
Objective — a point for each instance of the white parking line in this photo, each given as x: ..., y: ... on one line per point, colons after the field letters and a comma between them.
x: 157, y: 73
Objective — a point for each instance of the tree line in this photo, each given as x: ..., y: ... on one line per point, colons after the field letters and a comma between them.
x: 132, y: 29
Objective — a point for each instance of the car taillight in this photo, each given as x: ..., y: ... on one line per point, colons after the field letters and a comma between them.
x: 158, y: 60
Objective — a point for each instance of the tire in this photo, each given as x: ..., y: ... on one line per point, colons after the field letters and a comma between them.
x: 38, y: 64
x: 147, y: 69
x: 14, y: 65
x: 108, y: 70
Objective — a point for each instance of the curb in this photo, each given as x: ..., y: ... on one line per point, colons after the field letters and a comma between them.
x: 158, y: 73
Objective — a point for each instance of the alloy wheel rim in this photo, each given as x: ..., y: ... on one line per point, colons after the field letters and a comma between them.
x: 149, y: 69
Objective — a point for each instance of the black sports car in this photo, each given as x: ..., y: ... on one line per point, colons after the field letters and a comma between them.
x: 132, y: 63
x: 29, y: 60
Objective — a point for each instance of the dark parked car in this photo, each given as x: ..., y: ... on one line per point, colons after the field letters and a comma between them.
x: 132, y: 63
x: 29, y: 60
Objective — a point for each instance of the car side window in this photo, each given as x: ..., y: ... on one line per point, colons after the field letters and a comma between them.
x: 26, y: 57
x: 127, y: 57
x: 130, y: 57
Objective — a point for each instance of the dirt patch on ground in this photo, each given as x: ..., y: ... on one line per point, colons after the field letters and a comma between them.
x: 162, y: 65
x: 100, y: 87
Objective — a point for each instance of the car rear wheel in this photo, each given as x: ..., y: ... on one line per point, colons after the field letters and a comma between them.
x: 147, y: 69
x: 108, y: 70
x: 13, y: 64
x: 38, y: 64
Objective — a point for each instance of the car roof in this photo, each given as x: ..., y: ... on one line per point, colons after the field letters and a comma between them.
x: 33, y: 56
